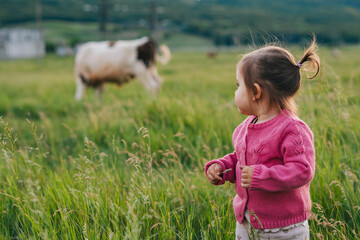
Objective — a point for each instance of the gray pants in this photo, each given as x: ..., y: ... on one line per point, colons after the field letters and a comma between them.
x: 299, y: 231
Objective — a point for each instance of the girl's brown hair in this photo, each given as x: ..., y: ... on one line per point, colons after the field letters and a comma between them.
x: 278, y: 74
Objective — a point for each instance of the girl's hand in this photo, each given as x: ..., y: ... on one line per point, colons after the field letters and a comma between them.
x: 213, y: 173
x: 246, y: 176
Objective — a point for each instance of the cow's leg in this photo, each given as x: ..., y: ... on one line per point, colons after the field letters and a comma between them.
x: 148, y: 81
x: 148, y: 76
x: 99, y: 90
x: 156, y: 78
x: 80, y: 88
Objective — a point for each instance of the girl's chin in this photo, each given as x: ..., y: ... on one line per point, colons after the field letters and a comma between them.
x: 244, y: 113
x: 240, y: 111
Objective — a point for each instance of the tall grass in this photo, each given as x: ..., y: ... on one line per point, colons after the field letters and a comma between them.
x: 131, y: 166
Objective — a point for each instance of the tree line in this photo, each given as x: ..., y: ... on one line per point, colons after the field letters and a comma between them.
x: 226, y: 22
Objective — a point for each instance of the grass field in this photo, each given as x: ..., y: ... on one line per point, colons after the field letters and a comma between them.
x: 131, y: 166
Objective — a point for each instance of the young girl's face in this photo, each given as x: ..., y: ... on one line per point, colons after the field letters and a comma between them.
x: 242, y: 99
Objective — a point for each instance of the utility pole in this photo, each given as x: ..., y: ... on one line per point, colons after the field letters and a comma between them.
x: 153, y: 16
x: 38, y: 13
x: 103, y: 18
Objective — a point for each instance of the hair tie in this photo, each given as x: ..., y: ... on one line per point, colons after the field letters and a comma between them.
x: 299, y: 64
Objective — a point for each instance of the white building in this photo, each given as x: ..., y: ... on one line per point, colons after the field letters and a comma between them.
x: 21, y: 43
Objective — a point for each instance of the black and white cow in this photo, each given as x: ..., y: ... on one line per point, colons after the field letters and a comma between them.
x: 97, y: 63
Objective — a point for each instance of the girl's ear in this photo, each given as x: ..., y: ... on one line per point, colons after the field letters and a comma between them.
x: 257, y: 92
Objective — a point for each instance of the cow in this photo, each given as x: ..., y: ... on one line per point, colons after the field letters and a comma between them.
x: 211, y: 54
x: 97, y: 63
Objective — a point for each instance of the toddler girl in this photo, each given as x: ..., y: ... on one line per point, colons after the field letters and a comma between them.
x: 273, y: 161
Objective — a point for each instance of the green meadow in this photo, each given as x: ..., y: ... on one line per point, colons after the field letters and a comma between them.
x: 131, y: 165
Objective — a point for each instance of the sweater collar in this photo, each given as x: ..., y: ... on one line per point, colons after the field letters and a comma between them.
x: 275, y: 119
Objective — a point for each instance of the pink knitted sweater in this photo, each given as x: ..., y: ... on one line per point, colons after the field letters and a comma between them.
x: 281, y: 151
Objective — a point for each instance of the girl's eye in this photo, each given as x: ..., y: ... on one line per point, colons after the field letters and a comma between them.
x: 237, y: 84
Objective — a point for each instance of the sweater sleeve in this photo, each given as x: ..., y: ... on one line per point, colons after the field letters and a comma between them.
x: 298, y: 168
x: 227, y: 162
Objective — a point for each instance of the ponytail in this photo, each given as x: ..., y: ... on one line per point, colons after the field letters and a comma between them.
x: 311, y: 57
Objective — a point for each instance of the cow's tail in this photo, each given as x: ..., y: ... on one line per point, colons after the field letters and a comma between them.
x: 165, y: 56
